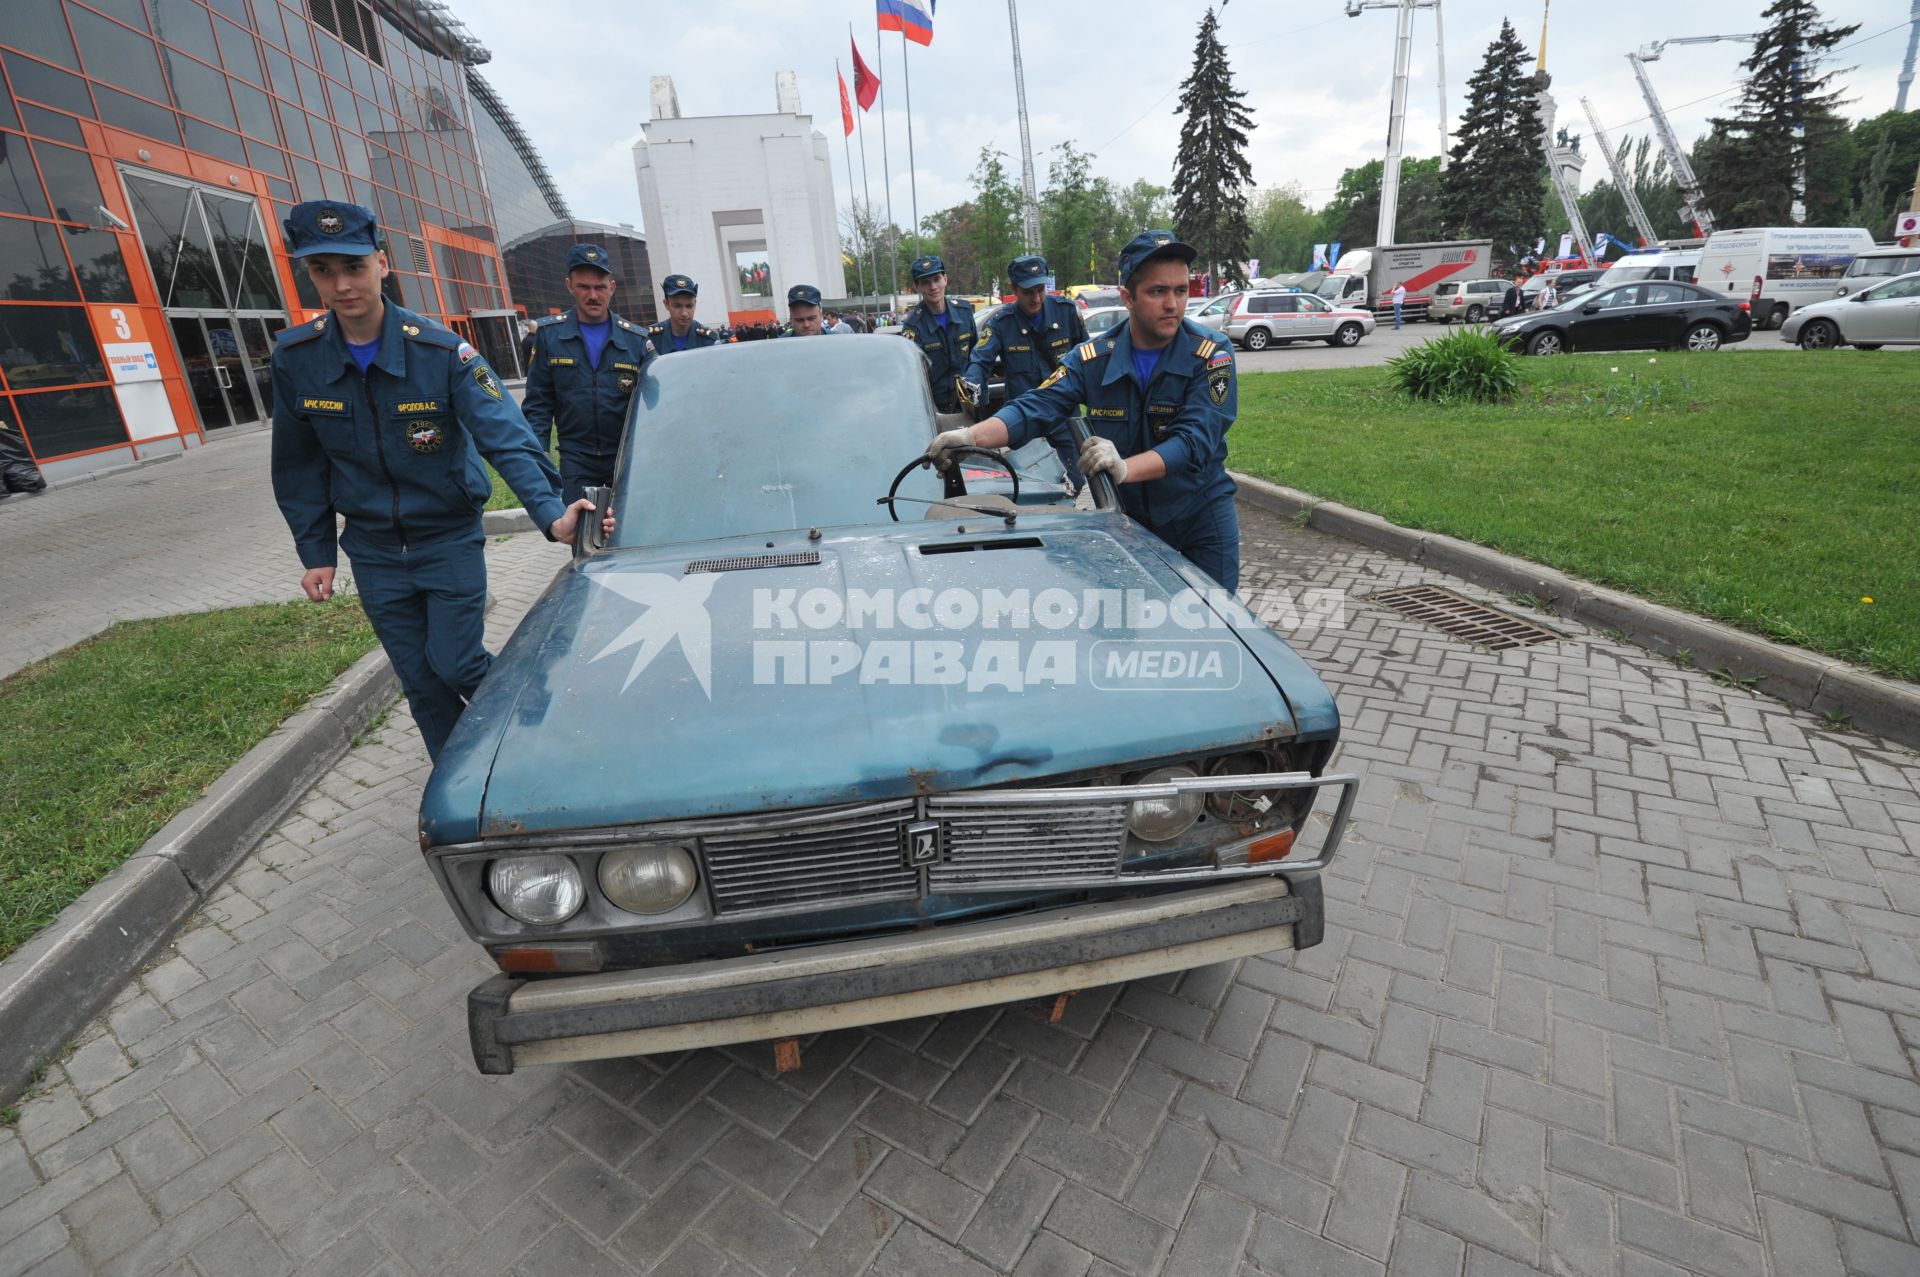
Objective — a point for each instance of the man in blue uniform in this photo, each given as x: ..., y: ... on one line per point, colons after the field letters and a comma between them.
x: 1160, y: 393
x: 804, y: 316
x: 1027, y: 341
x: 581, y: 377
x: 943, y: 329
x: 678, y: 331
x: 383, y: 416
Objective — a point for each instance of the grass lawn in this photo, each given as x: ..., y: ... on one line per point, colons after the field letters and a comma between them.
x: 105, y: 742
x: 1776, y: 492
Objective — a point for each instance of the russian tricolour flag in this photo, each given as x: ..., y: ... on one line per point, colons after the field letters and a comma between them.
x: 908, y: 18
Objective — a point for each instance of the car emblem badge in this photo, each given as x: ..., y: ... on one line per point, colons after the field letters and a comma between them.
x: 920, y: 843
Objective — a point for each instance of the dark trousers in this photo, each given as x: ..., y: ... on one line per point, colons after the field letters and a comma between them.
x: 1210, y: 538
x: 428, y: 604
x: 577, y: 474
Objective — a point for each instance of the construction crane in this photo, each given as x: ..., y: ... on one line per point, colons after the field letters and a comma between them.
x: 1693, y: 201
x: 1569, y: 196
x: 1029, y: 206
x: 1622, y: 182
x: 1906, y: 68
x: 1397, y: 111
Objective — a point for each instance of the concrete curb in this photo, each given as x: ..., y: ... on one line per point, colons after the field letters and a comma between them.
x: 1886, y: 707
x: 52, y: 985
x: 501, y: 523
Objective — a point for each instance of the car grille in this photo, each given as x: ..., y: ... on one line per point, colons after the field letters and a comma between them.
x: 851, y: 853
x: 1013, y: 844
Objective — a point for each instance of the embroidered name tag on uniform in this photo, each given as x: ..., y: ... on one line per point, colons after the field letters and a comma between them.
x: 419, y: 405
x: 626, y: 367
x: 561, y: 361
x: 336, y: 407
x: 1018, y: 349
x: 1162, y: 409
x: 1106, y: 412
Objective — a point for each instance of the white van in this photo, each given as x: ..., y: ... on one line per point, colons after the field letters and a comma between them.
x: 1779, y: 269
x: 1666, y: 263
x: 1875, y: 265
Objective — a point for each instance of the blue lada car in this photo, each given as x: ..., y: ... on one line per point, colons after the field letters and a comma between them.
x: 825, y: 738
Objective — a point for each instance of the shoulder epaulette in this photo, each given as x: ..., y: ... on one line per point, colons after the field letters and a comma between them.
x: 1088, y: 352
x: 628, y: 324
x: 302, y: 332
x: 1205, y: 348
x: 432, y: 335
x: 547, y: 321
x: 704, y: 332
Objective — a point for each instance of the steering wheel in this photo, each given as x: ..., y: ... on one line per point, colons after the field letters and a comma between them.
x: 955, y: 486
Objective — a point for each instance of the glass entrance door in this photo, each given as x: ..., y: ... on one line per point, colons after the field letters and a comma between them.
x: 214, y: 273
x: 228, y: 362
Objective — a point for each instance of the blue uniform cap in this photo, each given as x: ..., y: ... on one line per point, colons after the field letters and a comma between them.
x: 1148, y: 246
x: 328, y: 226
x: 803, y: 294
x: 679, y: 286
x: 589, y: 255
x: 1028, y: 271
x: 927, y: 268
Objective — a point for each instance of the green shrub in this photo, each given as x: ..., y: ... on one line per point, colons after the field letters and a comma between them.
x: 1470, y: 365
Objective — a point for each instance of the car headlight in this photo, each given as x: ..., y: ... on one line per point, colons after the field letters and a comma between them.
x: 541, y: 891
x: 647, y: 879
x: 1164, y: 819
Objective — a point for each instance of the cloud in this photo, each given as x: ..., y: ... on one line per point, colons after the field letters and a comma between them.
x: 1318, y: 81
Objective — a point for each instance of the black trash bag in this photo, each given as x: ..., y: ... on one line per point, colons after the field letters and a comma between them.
x: 17, y: 471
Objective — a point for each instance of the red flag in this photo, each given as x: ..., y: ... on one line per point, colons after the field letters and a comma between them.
x: 846, y: 107
x: 866, y: 85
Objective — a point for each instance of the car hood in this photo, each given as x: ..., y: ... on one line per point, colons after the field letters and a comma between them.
x: 637, y: 691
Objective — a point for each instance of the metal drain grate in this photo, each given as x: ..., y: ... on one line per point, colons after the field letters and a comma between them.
x: 1463, y: 618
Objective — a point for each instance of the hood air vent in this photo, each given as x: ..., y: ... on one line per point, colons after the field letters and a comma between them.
x: 745, y: 562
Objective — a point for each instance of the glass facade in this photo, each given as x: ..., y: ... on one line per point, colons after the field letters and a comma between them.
x: 149, y: 150
x: 537, y: 268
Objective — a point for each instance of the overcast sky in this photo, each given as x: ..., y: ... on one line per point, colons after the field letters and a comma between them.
x: 1103, y: 74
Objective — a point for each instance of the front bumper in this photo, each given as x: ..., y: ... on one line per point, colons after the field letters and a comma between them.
x: 841, y: 985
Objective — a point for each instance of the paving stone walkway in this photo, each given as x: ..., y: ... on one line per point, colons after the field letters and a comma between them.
x: 1620, y: 978
x: 194, y: 532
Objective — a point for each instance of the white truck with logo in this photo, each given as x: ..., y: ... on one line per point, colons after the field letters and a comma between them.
x: 1779, y: 269
x: 1365, y: 277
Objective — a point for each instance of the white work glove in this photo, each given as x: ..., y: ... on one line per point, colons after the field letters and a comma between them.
x: 1098, y: 454
x: 946, y: 441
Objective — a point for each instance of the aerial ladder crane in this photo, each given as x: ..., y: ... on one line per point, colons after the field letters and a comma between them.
x: 1693, y: 201
x: 1622, y: 181
x: 1397, y: 110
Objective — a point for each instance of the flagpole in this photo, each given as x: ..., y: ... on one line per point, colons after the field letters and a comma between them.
x: 913, y: 181
x: 858, y: 275
x: 886, y: 165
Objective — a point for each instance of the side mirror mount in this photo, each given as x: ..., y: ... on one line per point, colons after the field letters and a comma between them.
x: 588, y: 538
x: 1591, y: 308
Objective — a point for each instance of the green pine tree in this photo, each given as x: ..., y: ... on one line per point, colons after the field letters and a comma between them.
x: 1211, y: 172
x: 1753, y: 160
x: 1493, y: 186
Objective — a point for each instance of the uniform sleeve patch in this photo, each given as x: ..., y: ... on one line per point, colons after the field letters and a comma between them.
x: 467, y: 353
x: 1221, y: 358
x: 1219, y: 383
x: 1053, y: 376
x: 483, y: 378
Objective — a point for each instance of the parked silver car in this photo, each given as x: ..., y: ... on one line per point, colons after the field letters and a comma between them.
x: 1260, y: 319
x: 1886, y: 314
x: 1473, y: 300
